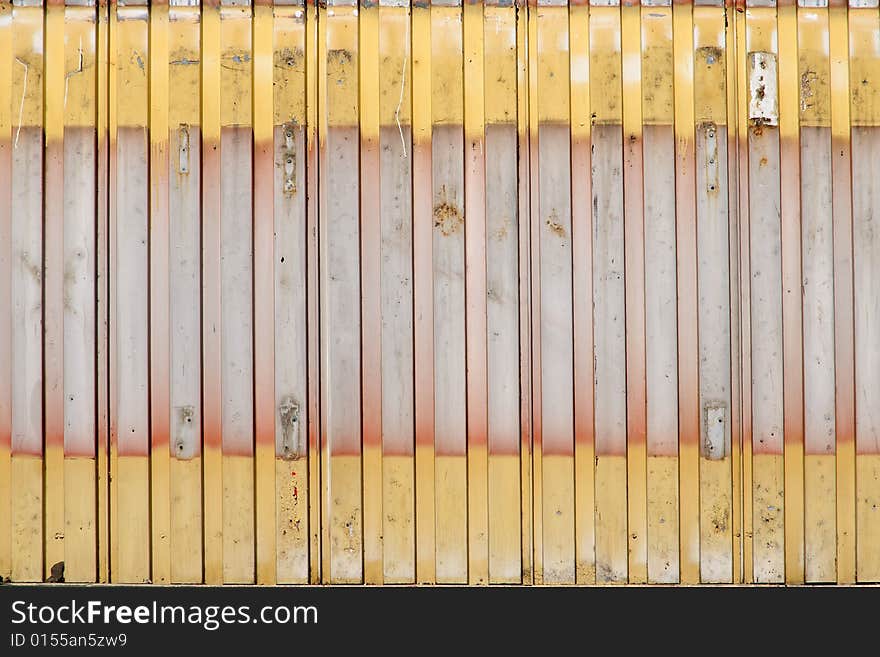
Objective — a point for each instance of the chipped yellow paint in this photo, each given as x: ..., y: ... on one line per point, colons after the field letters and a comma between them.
x: 236, y: 67
x: 26, y: 478
x: 447, y: 107
x: 186, y: 520
x: 500, y: 29
x: 451, y: 519
x: 868, y: 517
x: 395, y: 106
x: 184, y: 77
x: 289, y: 66
x: 79, y: 519
x: 864, y: 67
x: 398, y: 520
x: 292, y: 521
x: 238, y: 520
x: 130, y: 519
x: 504, y: 520
x: 341, y: 62
x: 662, y: 492
x: 130, y: 57
x: 605, y: 65
x: 658, y: 97
x: 819, y: 518
x: 611, y: 542
x: 768, y: 521
x: 716, y: 538
x: 709, y: 66
x: 346, y: 530
x: 27, y: 72
x: 814, y: 69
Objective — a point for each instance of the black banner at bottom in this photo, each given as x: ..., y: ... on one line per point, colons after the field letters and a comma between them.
x: 62, y: 618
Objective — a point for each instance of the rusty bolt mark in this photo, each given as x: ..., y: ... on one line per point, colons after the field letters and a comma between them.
x: 288, y: 158
x: 288, y: 57
x: 447, y: 217
x: 185, y: 416
x: 712, y: 54
x: 340, y: 56
x: 763, y: 162
x: 553, y: 224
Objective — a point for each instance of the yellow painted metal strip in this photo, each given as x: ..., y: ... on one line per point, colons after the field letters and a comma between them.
x: 475, y: 275
x: 525, y: 454
x: 236, y: 105
x: 731, y: 53
x: 710, y: 97
x: 606, y: 96
x: 320, y: 123
x: 80, y: 119
x: 371, y: 355
x: 689, y: 475
x: 537, y: 464
x: 423, y: 284
x: 315, y: 488
x: 789, y: 132
x: 396, y: 166
x: 53, y: 239
x: 130, y: 473
x: 212, y: 486
x: 6, y: 292
x: 185, y: 471
x: 745, y: 356
x: 582, y: 257
x: 504, y: 498
x: 160, y: 462
x: 839, y: 52
x: 264, y: 281
x: 636, y: 453
x: 103, y: 437
x: 865, y: 118
x: 112, y: 138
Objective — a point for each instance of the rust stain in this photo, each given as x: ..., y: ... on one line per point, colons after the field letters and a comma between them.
x: 447, y: 217
x: 553, y: 224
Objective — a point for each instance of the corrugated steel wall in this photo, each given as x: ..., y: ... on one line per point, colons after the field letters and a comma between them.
x: 564, y: 292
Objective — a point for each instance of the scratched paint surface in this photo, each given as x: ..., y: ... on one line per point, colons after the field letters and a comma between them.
x: 440, y: 292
